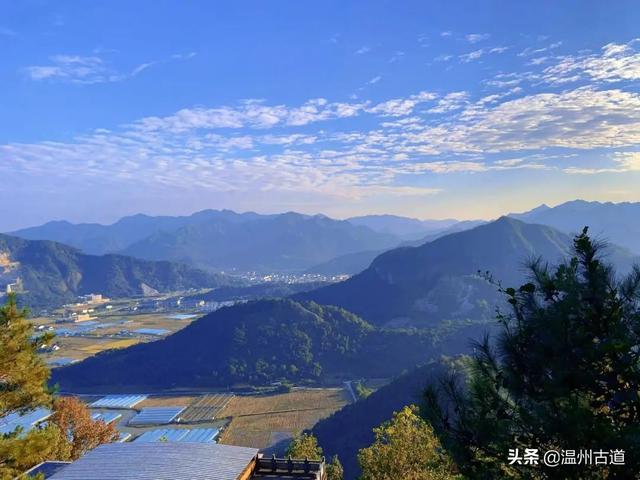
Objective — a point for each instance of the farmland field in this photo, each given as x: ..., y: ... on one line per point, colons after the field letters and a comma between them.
x: 164, y: 401
x: 206, y: 407
x: 106, y: 334
x: 263, y: 421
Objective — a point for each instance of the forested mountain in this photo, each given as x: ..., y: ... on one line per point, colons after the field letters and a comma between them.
x: 618, y: 223
x: 353, y: 263
x: 222, y: 240
x: 258, y: 342
x: 439, y: 280
x: 53, y: 273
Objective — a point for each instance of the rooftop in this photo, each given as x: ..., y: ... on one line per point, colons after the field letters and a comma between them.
x: 162, y: 461
x: 184, y: 461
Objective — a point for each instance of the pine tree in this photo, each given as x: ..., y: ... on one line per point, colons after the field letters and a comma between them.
x: 23, y: 376
x: 69, y: 433
x: 563, y: 374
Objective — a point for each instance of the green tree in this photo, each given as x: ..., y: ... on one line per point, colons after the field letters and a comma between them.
x: 306, y: 446
x: 563, y: 374
x: 334, y: 469
x: 23, y: 376
x: 20, y: 452
x: 362, y: 390
x: 406, y: 448
x: 23, y: 386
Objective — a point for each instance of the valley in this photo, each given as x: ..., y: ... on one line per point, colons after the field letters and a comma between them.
x: 254, y: 357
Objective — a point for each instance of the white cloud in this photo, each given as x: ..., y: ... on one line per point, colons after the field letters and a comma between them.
x: 363, y: 50
x: 89, y: 69
x: 615, y: 62
x: 476, y: 37
x: 375, y: 80
x: 469, y: 57
x: 476, y: 54
x: 74, y: 68
x: 534, y: 51
x: 446, y: 34
x: 451, y: 101
x: 623, y: 162
x: 253, y: 145
x: 401, y: 106
x: 630, y: 161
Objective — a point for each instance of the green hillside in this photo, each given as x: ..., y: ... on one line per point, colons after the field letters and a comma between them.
x: 53, y: 273
x: 258, y: 343
x: 420, y: 286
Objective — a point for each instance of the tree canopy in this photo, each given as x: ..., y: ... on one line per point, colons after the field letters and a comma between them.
x: 306, y: 446
x: 70, y: 431
x: 23, y: 376
x: 406, y: 447
x: 563, y: 375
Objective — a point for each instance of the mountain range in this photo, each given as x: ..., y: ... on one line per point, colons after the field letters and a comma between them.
x: 226, y: 240
x: 617, y: 223
x: 52, y: 273
x: 306, y: 339
x: 421, y: 286
x: 222, y: 239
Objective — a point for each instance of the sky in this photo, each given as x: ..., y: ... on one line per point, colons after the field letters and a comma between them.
x: 439, y: 109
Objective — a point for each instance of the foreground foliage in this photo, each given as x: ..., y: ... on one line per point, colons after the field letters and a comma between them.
x: 23, y: 376
x: 72, y: 417
x: 68, y: 434
x: 564, y: 374
x: 306, y: 446
x: 406, y: 447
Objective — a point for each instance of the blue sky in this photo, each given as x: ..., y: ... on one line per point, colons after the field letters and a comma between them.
x: 427, y: 109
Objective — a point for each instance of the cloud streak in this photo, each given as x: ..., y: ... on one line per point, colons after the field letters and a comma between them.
x: 89, y: 69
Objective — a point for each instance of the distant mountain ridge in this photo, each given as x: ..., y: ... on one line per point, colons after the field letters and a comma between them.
x: 405, y: 227
x: 439, y: 280
x: 618, y: 223
x: 98, y: 239
x: 222, y: 239
x: 53, y: 273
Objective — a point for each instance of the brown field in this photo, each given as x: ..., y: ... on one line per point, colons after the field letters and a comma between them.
x: 166, y: 402
x: 206, y: 408
x: 260, y: 421
x: 99, y: 347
